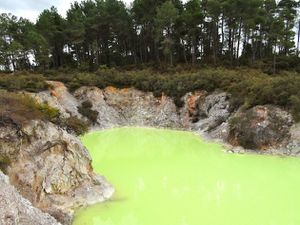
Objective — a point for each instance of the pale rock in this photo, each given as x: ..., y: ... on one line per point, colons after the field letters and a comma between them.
x: 52, y: 169
x: 214, y: 110
x: 60, y: 98
x: 16, y: 210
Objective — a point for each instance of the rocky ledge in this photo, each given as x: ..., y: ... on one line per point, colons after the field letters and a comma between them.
x: 263, y: 129
x: 52, y: 169
x: 266, y: 127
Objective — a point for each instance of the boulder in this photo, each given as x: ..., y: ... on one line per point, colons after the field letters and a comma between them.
x: 213, y: 110
x: 16, y: 210
x: 189, y: 113
x: 261, y: 127
x: 51, y: 168
x: 221, y: 132
x: 293, y: 145
x: 60, y: 98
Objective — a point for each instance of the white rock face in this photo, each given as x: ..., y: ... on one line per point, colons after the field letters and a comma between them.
x: 129, y: 107
x: 108, y: 116
x: 204, y: 113
x: 16, y: 210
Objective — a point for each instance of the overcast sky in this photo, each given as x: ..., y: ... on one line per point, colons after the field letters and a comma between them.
x: 30, y: 9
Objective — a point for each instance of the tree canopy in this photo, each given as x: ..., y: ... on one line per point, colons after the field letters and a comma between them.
x: 106, y: 32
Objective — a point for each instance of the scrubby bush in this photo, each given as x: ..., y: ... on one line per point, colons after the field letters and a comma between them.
x: 248, y: 87
x: 76, y: 125
x: 85, y: 109
x: 20, y: 108
x: 51, y: 113
x: 294, y: 102
x: 27, y: 82
x: 4, y: 163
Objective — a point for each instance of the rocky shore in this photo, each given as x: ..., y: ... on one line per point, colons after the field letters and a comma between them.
x: 264, y: 129
x: 50, y: 168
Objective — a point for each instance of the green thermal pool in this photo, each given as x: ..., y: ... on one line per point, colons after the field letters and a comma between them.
x: 174, y: 178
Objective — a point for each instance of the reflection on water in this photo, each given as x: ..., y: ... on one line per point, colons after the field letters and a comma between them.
x: 175, y: 178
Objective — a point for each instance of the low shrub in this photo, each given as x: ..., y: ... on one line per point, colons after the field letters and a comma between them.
x: 294, y: 102
x: 20, y: 108
x: 26, y: 82
x: 4, y: 163
x: 85, y: 109
x: 50, y: 113
x: 75, y: 125
x: 248, y: 87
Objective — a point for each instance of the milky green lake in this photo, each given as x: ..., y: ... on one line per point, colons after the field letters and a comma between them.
x: 167, y: 177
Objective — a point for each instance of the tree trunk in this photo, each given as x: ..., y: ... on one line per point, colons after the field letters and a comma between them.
x: 274, y: 60
x: 13, y: 63
x: 107, y: 53
x: 141, y: 50
x: 184, y: 53
x: 98, y: 52
x: 194, y: 50
x: 157, y: 58
x: 253, y: 48
x: 215, y: 41
x: 229, y: 44
x: 298, y: 41
x: 239, y: 40
x: 286, y: 48
x: 77, y: 55
x: 145, y: 52
x: 223, y: 36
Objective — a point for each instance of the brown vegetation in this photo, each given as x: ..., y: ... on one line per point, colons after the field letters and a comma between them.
x: 18, y: 109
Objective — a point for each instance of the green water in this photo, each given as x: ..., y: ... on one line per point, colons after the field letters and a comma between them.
x: 175, y: 178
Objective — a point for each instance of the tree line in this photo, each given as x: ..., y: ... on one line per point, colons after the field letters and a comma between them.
x: 106, y: 32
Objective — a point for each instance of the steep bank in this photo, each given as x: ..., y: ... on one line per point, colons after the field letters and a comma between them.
x: 50, y: 167
x: 264, y: 129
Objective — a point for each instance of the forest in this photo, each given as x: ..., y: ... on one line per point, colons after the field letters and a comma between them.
x: 97, y: 33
